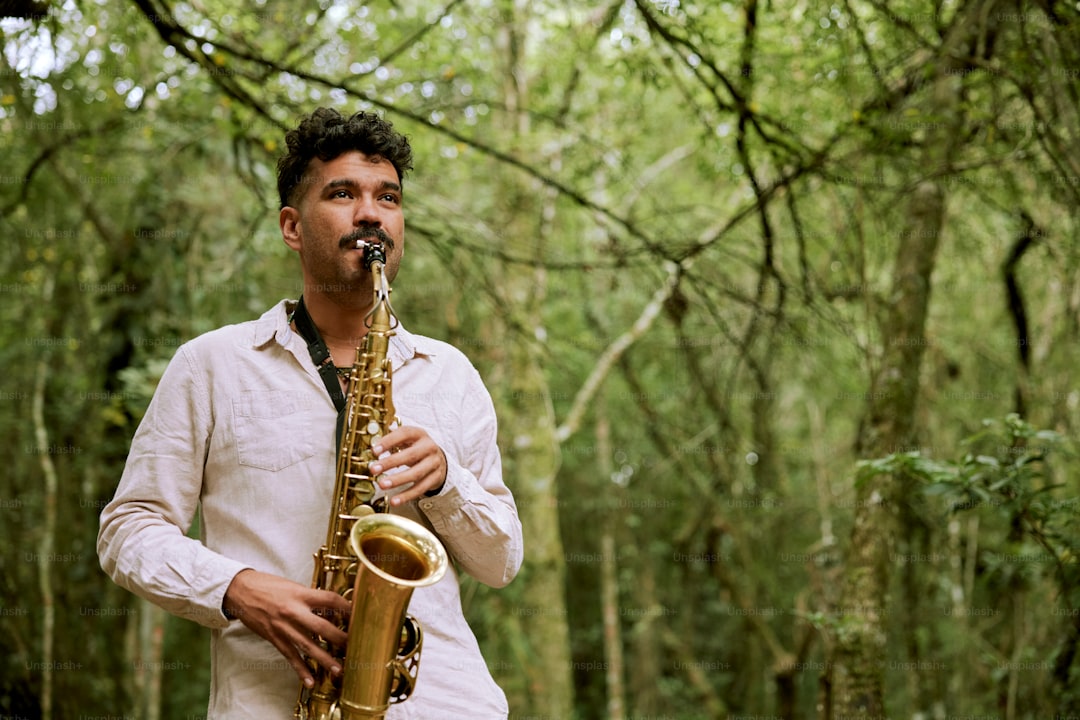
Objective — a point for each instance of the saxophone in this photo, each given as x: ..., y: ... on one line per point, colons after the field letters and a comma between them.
x: 371, y: 557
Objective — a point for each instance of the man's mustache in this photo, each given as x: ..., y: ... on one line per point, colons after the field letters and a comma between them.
x: 363, y: 233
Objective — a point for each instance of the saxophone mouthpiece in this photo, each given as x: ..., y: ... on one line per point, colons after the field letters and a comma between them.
x: 373, y: 252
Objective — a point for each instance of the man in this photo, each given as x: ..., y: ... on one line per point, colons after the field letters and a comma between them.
x: 242, y: 428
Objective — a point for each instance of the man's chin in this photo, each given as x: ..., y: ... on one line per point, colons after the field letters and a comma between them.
x: 343, y: 290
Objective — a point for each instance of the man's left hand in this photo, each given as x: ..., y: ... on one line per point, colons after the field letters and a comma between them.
x: 423, y: 461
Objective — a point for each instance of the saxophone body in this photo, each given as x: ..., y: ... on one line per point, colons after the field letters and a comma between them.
x: 371, y: 557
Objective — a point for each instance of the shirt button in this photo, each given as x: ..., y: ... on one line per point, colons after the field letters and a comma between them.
x: 426, y: 504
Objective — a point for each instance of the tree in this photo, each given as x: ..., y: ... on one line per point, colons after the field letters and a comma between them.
x: 714, y: 260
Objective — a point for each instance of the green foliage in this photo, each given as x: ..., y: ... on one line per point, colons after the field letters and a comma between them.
x: 1007, y: 467
x: 1016, y: 482
x: 772, y: 160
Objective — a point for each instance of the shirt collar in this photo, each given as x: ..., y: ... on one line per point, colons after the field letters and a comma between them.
x: 274, y: 325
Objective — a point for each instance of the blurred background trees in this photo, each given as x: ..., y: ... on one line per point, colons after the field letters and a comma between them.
x: 777, y: 301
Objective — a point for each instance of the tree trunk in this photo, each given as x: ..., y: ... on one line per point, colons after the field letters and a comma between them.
x: 152, y: 640
x: 889, y: 422
x: 609, y: 581
x: 47, y: 542
x: 858, y: 672
x: 528, y: 421
x: 531, y: 465
x: 48, y: 536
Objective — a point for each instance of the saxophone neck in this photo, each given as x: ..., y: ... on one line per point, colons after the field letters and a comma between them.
x: 381, y: 319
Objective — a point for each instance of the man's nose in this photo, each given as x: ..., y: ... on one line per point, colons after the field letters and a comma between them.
x: 366, y: 213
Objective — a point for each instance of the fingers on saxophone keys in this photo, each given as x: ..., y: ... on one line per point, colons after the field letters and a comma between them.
x: 295, y: 657
x: 319, y: 655
x: 330, y: 632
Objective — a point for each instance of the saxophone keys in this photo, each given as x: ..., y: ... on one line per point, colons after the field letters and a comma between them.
x: 373, y: 429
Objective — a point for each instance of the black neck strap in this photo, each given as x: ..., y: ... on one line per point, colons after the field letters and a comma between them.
x: 320, y: 355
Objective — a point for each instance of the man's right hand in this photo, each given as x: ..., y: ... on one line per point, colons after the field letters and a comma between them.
x: 290, y: 616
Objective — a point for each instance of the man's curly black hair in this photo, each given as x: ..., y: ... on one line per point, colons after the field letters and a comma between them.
x: 326, y: 134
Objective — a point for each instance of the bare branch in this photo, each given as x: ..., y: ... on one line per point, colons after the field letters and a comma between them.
x: 614, y: 351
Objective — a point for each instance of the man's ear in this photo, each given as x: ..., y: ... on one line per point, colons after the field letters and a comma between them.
x: 289, y: 221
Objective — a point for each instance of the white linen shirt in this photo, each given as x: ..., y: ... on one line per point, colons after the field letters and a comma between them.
x: 242, y: 428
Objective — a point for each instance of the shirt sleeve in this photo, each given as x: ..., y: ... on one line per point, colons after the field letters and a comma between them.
x: 475, y: 514
x: 142, y: 543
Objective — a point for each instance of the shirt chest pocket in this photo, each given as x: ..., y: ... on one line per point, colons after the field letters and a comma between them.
x: 276, y: 429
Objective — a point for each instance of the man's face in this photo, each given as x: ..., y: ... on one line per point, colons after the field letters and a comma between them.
x: 354, y: 195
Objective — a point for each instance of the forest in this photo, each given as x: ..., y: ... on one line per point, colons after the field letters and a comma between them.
x: 775, y: 301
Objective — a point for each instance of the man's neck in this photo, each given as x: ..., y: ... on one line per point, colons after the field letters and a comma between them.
x: 340, y: 324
